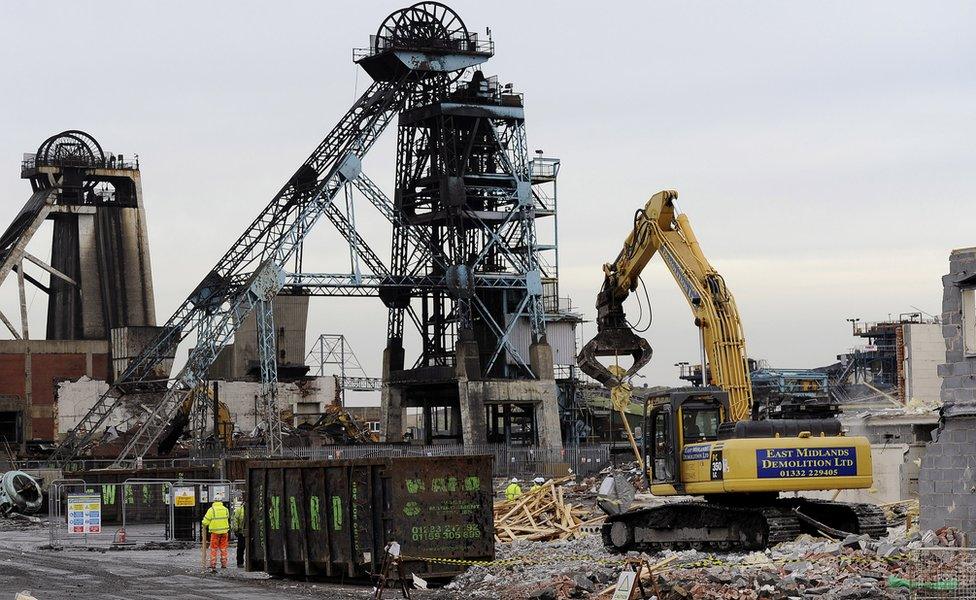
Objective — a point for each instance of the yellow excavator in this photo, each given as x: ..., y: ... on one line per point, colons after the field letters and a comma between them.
x: 704, y: 441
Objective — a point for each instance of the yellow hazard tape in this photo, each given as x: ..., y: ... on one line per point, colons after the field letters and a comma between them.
x: 511, y: 561
x: 710, y: 560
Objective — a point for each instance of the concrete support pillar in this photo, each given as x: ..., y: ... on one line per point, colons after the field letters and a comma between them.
x: 92, y: 315
x: 138, y: 276
x: 541, y: 361
x: 391, y: 397
x: 547, y: 411
x: 467, y: 367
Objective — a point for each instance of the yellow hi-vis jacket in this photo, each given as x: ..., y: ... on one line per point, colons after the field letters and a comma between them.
x: 237, y: 519
x: 217, y: 519
x: 513, y: 491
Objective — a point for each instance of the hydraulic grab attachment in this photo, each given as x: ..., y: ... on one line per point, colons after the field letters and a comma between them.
x: 615, y: 337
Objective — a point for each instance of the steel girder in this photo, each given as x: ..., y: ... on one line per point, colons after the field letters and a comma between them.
x: 215, y: 309
x: 268, y: 357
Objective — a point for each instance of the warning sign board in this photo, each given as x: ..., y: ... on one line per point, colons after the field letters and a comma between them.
x: 184, y: 496
x: 84, y: 514
x: 625, y: 586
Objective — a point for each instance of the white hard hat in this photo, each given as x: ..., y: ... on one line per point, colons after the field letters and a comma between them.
x: 219, y: 497
x: 539, y: 480
x: 514, y: 479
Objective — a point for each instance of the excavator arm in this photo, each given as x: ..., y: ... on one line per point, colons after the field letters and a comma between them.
x: 659, y: 228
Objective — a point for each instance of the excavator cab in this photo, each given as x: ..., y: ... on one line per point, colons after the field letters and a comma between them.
x: 677, y: 422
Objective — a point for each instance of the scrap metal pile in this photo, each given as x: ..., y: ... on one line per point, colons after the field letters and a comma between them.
x: 335, y: 426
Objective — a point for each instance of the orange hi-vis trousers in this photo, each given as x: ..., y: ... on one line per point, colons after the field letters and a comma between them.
x: 218, y: 540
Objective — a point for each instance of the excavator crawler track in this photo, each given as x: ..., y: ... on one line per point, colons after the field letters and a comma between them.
x: 717, y: 526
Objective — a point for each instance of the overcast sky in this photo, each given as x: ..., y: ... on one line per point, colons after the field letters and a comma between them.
x: 824, y: 151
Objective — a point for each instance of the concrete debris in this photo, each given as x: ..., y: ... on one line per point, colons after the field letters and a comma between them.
x: 805, y: 568
x: 418, y: 582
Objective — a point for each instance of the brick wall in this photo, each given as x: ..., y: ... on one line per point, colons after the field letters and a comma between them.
x: 51, y: 363
x: 947, y: 479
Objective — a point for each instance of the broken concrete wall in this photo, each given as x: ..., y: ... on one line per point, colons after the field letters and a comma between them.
x: 75, y: 399
x: 924, y: 352
x: 239, y: 361
x: 307, y: 397
x: 892, y: 481
x: 947, y: 479
x: 243, y: 399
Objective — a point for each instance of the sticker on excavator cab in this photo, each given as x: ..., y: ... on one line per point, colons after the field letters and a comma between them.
x: 775, y: 463
x: 696, y: 452
x: 717, y: 465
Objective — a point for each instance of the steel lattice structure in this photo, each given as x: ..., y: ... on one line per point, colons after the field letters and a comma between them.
x: 231, y: 290
x: 464, y: 182
x: 472, y: 276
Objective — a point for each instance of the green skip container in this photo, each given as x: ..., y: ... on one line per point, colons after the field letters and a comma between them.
x: 332, y: 519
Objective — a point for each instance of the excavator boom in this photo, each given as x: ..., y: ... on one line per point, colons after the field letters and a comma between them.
x: 659, y: 228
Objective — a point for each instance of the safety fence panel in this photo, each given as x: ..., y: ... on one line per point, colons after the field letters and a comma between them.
x: 75, y: 515
x: 940, y: 573
x: 132, y: 512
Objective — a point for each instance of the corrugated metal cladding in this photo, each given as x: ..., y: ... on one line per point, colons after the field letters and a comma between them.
x: 333, y: 519
x: 561, y: 336
x: 129, y: 342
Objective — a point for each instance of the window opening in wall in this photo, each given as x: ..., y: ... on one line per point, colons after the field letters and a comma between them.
x: 10, y: 426
x: 969, y: 320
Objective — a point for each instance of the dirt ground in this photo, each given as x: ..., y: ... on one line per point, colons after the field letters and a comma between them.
x: 78, y: 574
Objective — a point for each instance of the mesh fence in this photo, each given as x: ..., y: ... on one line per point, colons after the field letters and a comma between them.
x: 941, y: 573
x: 134, y: 512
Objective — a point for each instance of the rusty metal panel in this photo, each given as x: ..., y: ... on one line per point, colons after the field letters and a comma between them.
x: 256, y: 515
x: 293, y: 525
x: 275, y: 551
x: 334, y: 518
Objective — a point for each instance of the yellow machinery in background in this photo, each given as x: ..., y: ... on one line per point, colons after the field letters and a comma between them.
x: 221, y: 423
x: 703, y: 441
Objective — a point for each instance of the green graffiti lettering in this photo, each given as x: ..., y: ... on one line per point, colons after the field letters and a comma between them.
x: 411, y: 509
x: 108, y: 494
x: 129, y: 497
x: 472, y: 484
x: 275, y: 514
x: 438, y: 484
x: 336, y: 513
x: 293, y: 513
x: 146, y: 495
x: 313, y: 513
x: 415, y: 485
x: 452, y: 485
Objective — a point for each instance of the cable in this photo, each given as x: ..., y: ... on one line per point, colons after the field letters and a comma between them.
x: 640, y: 315
x: 650, y: 314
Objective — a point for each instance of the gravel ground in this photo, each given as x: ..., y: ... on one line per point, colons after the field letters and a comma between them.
x: 148, y: 574
x: 809, y: 568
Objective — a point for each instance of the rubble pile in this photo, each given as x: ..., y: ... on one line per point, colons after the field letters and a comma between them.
x: 542, y: 514
x: 848, y: 569
x: 525, y: 569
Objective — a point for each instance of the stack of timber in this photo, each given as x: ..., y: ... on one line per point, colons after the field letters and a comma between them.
x: 542, y: 515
